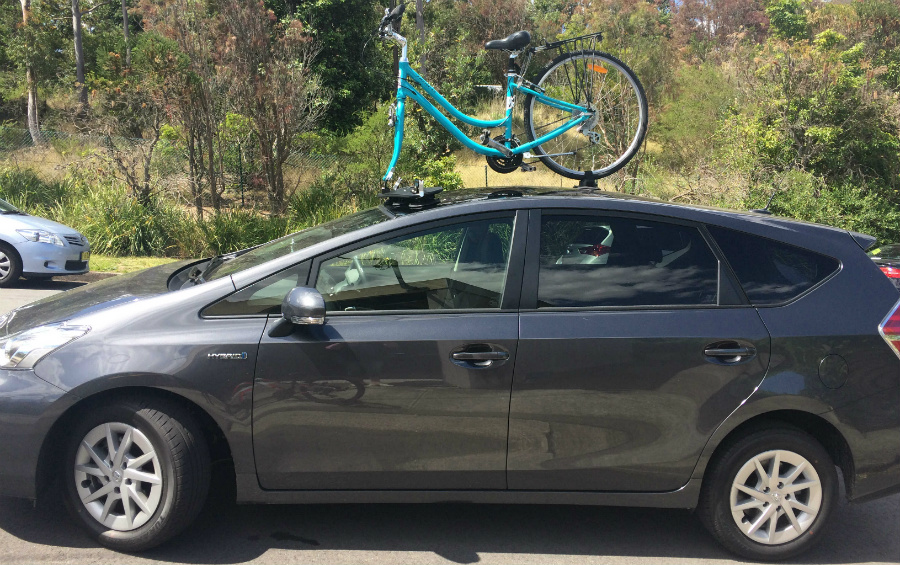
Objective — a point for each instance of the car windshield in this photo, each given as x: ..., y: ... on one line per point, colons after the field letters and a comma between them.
x: 300, y: 240
x: 7, y: 208
x: 886, y: 252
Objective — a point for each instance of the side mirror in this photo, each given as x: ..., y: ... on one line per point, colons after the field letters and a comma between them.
x: 304, y: 306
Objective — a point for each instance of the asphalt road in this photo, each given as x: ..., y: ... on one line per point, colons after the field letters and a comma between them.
x: 425, y: 534
x: 437, y: 534
x: 26, y: 291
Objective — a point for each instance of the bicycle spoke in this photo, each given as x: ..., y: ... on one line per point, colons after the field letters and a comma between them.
x: 604, y: 137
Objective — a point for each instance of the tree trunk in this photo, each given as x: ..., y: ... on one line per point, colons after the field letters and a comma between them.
x: 126, y: 34
x: 79, y: 57
x: 210, y: 147
x: 420, y: 25
x: 195, y: 156
x: 34, y: 127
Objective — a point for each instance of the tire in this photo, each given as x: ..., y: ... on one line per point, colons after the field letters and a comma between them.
x: 10, y: 265
x: 723, y: 504
x: 165, y: 445
x: 623, y: 123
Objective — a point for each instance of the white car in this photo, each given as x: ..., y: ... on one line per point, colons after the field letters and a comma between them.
x: 38, y: 248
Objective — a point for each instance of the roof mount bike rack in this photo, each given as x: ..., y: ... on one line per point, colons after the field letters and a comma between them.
x: 415, y: 196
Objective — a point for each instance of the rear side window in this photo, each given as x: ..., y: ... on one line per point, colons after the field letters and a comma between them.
x: 772, y: 272
x: 598, y: 261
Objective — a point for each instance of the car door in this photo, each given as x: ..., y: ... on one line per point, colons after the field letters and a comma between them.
x: 633, y: 349
x: 407, y: 384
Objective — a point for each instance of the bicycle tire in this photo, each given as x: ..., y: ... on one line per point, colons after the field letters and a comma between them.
x: 560, y: 79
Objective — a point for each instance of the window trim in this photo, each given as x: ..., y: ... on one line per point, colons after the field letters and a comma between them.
x: 206, y: 316
x: 530, y: 289
x: 512, y: 285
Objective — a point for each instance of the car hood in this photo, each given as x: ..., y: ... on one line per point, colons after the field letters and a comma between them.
x: 92, y: 297
x: 20, y: 222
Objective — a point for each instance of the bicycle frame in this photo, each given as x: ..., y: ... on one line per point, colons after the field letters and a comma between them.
x: 409, y: 80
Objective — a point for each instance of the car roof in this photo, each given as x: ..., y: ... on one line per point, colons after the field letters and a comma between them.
x: 464, y: 202
x: 543, y: 196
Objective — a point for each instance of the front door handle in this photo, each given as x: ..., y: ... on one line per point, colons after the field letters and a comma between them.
x: 480, y: 356
x: 729, y: 353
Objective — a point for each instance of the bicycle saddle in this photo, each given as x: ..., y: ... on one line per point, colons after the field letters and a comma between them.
x: 513, y: 42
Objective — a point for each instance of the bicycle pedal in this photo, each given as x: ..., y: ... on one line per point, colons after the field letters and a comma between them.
x: 526, y: 168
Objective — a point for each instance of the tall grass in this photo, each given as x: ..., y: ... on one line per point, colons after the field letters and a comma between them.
x: 117, y: 224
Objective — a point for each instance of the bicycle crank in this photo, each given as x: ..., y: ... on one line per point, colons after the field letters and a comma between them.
x: 508, y: 163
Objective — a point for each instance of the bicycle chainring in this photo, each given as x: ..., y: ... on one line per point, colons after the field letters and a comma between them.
x: 505, y: 165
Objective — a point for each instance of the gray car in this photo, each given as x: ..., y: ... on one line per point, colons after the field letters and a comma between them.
x: 38, y: 248
x: 442, y: 349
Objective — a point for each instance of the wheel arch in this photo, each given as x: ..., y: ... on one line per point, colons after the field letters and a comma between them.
x: 51, y: 448
x: 815, y: 425
x: 7, y: 243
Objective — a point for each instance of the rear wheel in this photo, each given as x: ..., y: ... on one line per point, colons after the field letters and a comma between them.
x: 769, y: 495
x: 607, y: 89
x: 136, y: 473
x: 10, y: 265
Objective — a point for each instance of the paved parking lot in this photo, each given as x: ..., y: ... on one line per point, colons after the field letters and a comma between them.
x: 29, y: 291
x: 437, y: 534
x: 425, y: 534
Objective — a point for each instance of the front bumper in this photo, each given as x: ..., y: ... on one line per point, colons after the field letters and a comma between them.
x: 28, y: 408
x: 48, y: 259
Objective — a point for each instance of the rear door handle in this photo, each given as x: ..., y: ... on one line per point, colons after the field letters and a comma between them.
x: 480, y: 356
x: 729, y: 352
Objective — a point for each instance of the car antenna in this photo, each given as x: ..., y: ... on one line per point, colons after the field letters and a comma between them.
x: 766, y: 209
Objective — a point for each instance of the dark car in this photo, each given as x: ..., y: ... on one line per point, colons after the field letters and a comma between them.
x: 887, y: 257
x: 459, y: 349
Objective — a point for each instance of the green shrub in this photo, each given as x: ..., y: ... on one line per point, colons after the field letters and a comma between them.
x: 803, y: 196
x: 328, y: 198
x: 232, y: 230
x: 117, y: 224
x: 24, y: 189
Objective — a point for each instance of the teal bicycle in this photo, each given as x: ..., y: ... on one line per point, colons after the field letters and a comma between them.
x: 585, y: 114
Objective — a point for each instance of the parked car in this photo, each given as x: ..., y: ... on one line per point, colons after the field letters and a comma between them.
x: 443, y: 349
x: 38, y: 248
x: 887, y: 257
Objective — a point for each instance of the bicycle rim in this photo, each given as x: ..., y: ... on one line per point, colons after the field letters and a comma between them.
x: 597, y: 82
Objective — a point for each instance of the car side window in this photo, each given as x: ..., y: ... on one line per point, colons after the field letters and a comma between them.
x: 612, y: 261
x: 771, y: 272
x: 459, y: 266
x: 261, y: 297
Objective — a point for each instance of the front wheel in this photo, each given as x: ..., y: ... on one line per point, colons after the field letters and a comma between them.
x: 768, y: 496
x: 613, y: 97
x: 10, y: 265
x: 136, y: 472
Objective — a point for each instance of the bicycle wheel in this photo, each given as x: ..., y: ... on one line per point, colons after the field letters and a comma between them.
x: 605, y: 143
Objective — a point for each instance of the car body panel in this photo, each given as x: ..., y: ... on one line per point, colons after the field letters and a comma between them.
x: 86, y: 299
x: 624, y: 400
x: 423, y: 421
x: 156, y: 339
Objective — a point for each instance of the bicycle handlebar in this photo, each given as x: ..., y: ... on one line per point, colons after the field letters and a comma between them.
x: 394, y: 15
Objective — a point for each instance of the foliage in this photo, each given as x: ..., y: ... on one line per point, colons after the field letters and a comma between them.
x: 746, y: 97
x: 788, y: 19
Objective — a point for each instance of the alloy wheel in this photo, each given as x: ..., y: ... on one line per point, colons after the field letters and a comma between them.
x: 118, y: 476
x: 5, y: 265
x: 775, y: 497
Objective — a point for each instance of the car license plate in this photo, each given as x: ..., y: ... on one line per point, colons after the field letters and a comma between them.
x: 86, y: 256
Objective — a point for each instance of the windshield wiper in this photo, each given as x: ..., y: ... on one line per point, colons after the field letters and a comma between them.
x: 197, y: 275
